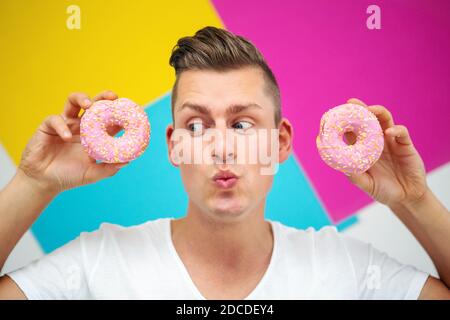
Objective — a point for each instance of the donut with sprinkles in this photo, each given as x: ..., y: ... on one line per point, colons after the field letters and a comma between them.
x: 336, y: 152
x: 121, y: 112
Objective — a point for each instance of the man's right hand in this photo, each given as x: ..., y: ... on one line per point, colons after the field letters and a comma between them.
x: 54, y: 159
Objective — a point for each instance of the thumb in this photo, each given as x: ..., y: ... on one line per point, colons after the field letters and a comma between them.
x: 362, y: 180
x: 98, y: 171
x: 356, y: 101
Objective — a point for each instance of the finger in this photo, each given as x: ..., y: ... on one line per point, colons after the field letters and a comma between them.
x: 106, y: 95
x: 113, y: 130
x: 75, y: 102
x: 362, y: 180
x: 383, y: 115
x: 73, y: 124
x: 356, y: 101
x: 98, y: 171
x: 350, y: 137
x: 400, y: 133
x: 75, y: 138
x: 56, y: 125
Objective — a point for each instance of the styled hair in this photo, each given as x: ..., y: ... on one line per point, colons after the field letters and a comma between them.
x: 217, y: 49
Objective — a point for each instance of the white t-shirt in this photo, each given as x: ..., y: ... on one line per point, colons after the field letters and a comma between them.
x: 141, y: 262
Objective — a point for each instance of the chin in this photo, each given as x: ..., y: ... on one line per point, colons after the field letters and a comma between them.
x: 227, y: 209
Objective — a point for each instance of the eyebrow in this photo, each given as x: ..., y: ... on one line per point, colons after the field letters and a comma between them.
x: 232, y: 109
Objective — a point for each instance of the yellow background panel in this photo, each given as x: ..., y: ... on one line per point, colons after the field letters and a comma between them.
x: 122, y: 45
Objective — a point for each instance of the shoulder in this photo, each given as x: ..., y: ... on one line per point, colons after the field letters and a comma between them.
x: 326, y: 234
x: 109, y: 234
x: 321, y: 245
x: 322, y: 255
x: 117, y: 229
x: 113, y: 243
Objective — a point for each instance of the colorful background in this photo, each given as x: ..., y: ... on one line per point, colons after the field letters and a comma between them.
x: 321, y: 52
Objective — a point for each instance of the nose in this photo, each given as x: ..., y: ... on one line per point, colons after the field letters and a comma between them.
x: 223, y: 149
x: 220, y: 159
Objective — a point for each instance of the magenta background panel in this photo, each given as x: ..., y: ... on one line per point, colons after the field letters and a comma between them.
x: 322, y: 54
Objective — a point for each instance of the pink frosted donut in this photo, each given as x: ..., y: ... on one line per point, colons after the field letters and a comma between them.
x: 357, y: 157
x: 106, y: 113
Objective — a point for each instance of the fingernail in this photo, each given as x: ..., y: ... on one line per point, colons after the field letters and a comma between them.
x: 86, y: 102
x: 66, y: 134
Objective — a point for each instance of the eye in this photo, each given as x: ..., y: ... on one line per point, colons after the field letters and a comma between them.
x: 242, y: 125
x: 196, y: 127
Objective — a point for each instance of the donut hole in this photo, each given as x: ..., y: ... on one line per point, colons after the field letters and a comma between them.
x: 113, y: 129
x: 349, y: 138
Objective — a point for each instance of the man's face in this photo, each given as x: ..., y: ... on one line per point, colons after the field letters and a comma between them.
x: 235, y: 106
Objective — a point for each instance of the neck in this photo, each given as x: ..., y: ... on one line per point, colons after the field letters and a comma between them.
x: 235, y: 242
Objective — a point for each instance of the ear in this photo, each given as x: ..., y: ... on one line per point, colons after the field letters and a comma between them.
x: 169, y: 132
x: 285, y: 136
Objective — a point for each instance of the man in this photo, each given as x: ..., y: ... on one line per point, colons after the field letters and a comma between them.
x: 223, y: 248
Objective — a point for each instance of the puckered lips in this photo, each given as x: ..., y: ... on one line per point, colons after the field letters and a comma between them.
x: 225, y: 179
